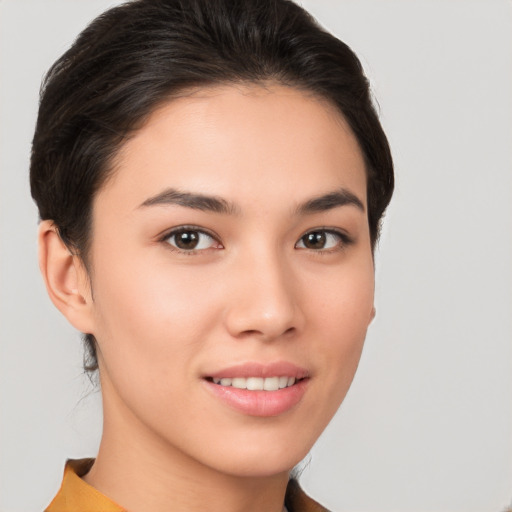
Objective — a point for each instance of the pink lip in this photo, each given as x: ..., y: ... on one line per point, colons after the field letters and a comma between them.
x: 277, y: 369
x: 260, y: 403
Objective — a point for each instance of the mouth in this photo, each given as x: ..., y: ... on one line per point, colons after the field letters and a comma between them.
x: 256, y: 383
x: 259, y: 390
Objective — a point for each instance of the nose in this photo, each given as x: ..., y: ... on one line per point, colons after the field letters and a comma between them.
x: 263, y: 299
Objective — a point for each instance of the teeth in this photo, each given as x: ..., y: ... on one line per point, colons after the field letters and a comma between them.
x: 257, y: 383
x: 271, y: 384
x: 283, y: 382
x: 239, y: 383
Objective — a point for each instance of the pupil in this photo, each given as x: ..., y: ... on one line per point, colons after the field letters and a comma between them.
x: 315, y: 240
x: 187, y: 240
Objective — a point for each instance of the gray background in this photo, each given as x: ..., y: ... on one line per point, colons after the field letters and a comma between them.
x: 427, y: 425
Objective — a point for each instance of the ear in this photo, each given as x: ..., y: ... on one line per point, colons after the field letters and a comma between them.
x: 372, y: 314
x: 65, y: 277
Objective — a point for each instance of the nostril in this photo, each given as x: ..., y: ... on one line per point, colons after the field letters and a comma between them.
x: 266, y: 334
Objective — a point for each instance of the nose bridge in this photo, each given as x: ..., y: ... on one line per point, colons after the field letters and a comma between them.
x: 265, y: 303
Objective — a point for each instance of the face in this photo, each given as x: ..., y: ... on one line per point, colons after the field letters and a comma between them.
x: 232, y: 277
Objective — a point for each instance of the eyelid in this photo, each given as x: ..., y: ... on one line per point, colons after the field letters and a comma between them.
x: 345, y: 238
x: 187, y: 227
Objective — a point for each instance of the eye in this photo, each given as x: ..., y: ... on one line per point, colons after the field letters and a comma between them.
x: 190, y: 239
x: 322, y: 240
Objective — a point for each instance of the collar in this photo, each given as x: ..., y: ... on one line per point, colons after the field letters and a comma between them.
x: 75, y: 495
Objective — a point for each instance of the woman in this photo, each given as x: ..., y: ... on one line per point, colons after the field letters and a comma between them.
x: 211, y: 177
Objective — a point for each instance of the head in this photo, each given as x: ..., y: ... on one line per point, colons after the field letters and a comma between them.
x: 136, y: 83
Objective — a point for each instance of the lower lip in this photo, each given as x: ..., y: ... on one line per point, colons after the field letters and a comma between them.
x: 260, y: 403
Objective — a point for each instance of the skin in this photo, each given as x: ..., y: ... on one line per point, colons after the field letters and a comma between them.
x: 164, y: 318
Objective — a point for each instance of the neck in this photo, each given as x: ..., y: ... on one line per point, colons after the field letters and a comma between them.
x: 141, y: 472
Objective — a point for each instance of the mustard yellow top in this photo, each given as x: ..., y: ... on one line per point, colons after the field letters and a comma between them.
x: 75, y: 495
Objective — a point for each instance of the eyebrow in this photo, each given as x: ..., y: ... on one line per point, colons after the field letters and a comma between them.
x: 196, y: 201
x: 341, y: 197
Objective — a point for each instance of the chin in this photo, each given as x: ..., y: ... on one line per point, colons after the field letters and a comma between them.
x: 261, y: 459
x: 259, y: 468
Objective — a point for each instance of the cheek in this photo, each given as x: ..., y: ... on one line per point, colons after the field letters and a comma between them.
x: 343, y: 309
x: 153, y: 321
x: 343, y: 299
x: 150, y: 311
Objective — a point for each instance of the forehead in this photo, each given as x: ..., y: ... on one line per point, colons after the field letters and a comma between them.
x: 252, y: 142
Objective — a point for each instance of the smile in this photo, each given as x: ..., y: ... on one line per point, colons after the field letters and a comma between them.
x: 256, y: 383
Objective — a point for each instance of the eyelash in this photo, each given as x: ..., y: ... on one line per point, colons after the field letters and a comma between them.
x: 188, y: 229
x: 343, y: 239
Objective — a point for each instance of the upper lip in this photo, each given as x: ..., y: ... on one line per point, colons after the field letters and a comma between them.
x: 255, y: 369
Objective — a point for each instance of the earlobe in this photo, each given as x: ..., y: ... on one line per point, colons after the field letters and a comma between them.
x: 372, y: 314
x: 65, y: 278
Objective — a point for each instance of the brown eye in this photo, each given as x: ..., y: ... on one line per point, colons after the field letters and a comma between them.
x: 314, y: 240
x: 190, y: 240
x: 320, y: 239
x: 187, y: 240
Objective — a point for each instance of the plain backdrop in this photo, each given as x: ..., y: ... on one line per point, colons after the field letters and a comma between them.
x: 427, y: 424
